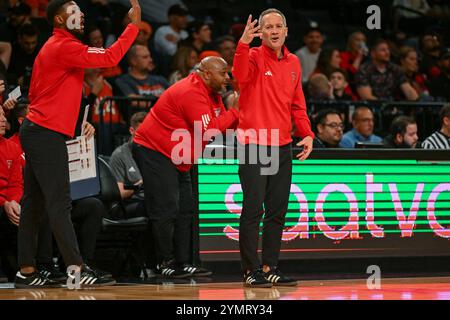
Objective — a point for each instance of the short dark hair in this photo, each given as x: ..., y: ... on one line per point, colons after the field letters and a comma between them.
x: 323, y: 114
x: 137, y: 118
x: 28, y: 30
x: 358, y: 110
x: 223, y: 39
x: 444, y: 113
x: 378, y: 42
x: 341, y: 71
x: 53, y: 8
x: 399, y: 125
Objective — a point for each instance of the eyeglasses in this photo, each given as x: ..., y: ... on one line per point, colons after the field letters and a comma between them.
x: 335, y: 125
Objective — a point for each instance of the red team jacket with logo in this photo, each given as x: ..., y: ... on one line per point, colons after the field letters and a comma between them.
x: 58, y: 72
x: 271, y: 93
x: 187, y: 101
x: 11, y: 180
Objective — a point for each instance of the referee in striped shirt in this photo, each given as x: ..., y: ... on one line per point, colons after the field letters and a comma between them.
x: 441, y: 138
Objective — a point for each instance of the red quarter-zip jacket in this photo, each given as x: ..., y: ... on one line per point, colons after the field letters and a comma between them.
x: 271, y: 93
x: 58, y: 73
x: 187, y: 101
x: 11, y: 179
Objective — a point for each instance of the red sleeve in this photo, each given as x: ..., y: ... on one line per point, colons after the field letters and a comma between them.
x: 243, y: 67
x: 197, y: 109
x: 345, y: 63
x: 299, y: 114
x: 79, y: 55
x: 14, y: 190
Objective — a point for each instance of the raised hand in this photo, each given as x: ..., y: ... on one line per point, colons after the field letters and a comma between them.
x: 135, y: 12
x: 251, y: 31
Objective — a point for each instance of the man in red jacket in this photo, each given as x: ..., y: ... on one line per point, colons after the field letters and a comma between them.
x: 11, y: 184
x: 55, y: 97
x: 270, y: 80
x: 191, y: 111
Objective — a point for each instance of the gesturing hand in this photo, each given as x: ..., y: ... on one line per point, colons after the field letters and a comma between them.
x: 135, y: 12
x: 307, y: 144
x: 250, y: 31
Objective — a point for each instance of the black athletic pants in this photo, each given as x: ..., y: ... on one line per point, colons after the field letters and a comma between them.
x: 272, y: 191
x: 87, y: 216
x: 46, y: 191
x: 168, y: 200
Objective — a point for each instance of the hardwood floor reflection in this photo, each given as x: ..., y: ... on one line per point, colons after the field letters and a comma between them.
x: 391, y: 289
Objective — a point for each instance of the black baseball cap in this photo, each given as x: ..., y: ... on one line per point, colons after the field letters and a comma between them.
x: 177, y: 10
x: 53, y: 8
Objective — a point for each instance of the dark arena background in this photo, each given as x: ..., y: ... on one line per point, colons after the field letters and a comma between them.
x: 369, y: 210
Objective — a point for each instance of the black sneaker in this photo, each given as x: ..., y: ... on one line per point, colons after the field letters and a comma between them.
x: 256, y: 279
x: 171, y: 270
x: 34, y: 280
x: 51, y: 272
x: 93, y: 278
x: 278, y: 279
x: 196, y: 271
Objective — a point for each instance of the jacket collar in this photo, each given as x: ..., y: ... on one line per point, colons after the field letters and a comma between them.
x: 63, y: 33
x: 272, y: 55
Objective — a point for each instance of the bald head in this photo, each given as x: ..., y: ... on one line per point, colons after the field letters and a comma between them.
x: 213, y: 70
x: 212, y: 63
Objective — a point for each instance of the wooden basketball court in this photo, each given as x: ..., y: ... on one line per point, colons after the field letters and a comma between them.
x: 391, y: 289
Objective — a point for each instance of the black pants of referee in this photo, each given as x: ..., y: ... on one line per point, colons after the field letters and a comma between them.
x: 46, y: 191
x: 266, y: 195
x: 169, y: 204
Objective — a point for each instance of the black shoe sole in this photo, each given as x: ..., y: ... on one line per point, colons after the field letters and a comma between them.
x: 262, y: 285
x: 181, y: 276
x: 203, y: 274
x: 96, y: 285
x: 27, y: 286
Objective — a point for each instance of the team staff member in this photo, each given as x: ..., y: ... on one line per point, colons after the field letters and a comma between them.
x: 270, y: 80
x: 192, y: 104
x: 55, y: 97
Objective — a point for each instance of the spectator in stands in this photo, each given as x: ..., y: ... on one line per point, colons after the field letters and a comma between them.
x: 199, y: 36
x: 309, y: 54
x: 18, y: 15
x: 96, y: 88
x: 9, y: 102
x: 341, y: 89
x: 24, y: 53
x: 363, y: 124
x: 5, y: 54
x: 403, y: 134
x: 138, y: 82
x: 440, y: 86
x: 430, y: 47
x: 410, y: 66
x: 182, y: 64
x: 379, y: 79
x: 353, y: 57
x: 95, y: 38
x: 226, y: 46
x: 320, y: 88
x: 440, y: 139
x: 125, y: 168
x: 145, y: 33
x: 329, y: 129
x: 329, y: 60
x: 167, y: 37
